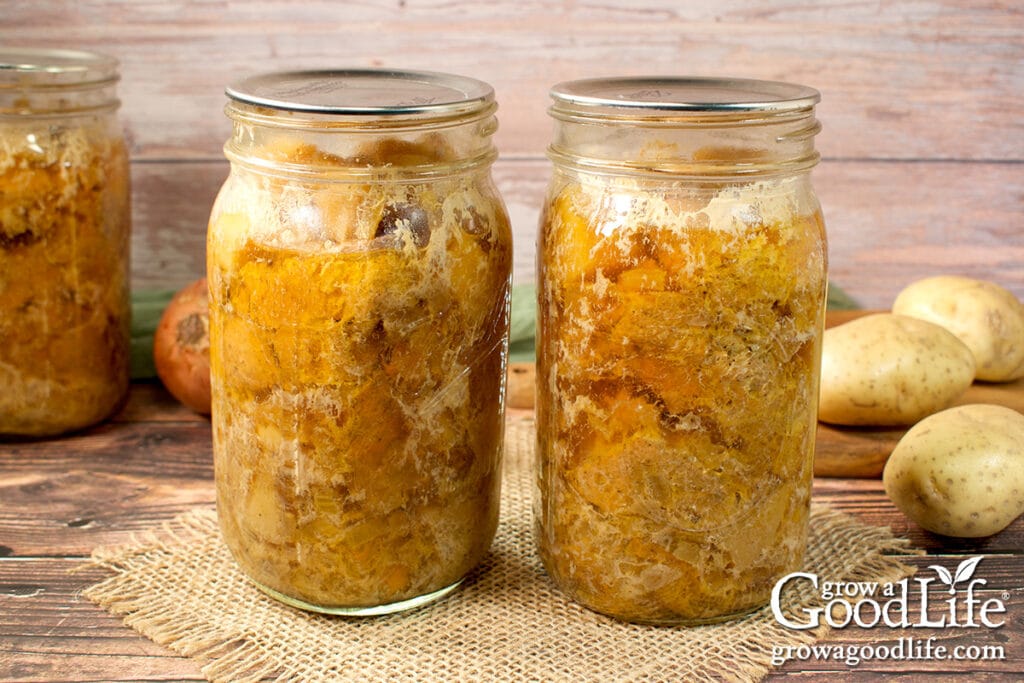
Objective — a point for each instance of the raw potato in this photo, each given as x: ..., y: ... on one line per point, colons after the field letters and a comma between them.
x: 886, y: 369
x: 985, y: 316
x: 960, y: 472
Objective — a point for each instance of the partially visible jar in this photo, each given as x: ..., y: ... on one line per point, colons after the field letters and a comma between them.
x: 64, y: 242
x: 359, y: 264
x: 682, y: 277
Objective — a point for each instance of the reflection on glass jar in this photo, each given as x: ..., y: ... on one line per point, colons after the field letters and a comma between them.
x: 682, y: 277
x: 359, y: 262
x: 64, y: 240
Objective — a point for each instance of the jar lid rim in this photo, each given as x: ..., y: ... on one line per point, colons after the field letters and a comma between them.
x: 44, y: 66
x: 654, y: 95
x: 364, y: 92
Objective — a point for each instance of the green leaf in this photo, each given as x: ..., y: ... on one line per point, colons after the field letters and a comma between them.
x: 838, y: 300
x: 147, y: 307
x: 524, y: 313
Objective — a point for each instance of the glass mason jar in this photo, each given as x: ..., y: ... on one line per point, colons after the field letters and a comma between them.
x: 682, y: 277
x: 359, y: 263
x: 64, y: 241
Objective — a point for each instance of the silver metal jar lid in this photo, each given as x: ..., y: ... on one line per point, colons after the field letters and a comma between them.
x: 659, y: 96
x: 39, y: 66
x: 365, y: 92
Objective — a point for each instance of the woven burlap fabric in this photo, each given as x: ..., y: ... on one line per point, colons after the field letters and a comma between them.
x: 179, y: 587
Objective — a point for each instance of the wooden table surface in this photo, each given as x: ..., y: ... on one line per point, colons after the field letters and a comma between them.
x: 59, y: 499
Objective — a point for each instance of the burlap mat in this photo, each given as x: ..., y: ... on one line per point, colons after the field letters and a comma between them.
x: 179, y: 587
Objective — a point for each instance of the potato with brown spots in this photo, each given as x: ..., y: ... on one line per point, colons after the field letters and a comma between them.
x: 960, y: 472
x: 986, y: 317
x: 886, y: 369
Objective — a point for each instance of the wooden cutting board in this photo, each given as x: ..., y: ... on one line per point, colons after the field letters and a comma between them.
x: 841, y: 451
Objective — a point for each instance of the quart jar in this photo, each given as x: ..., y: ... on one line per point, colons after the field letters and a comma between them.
x: 682, y: 277
x: 64, y: 241
x: 359, y: 263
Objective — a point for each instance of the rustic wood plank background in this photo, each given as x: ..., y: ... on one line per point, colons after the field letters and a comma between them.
x: 923, y: 141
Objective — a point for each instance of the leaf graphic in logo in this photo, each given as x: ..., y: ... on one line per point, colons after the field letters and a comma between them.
x: 966, y: 569
x: 963, y: 572
x: 944, y: 574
